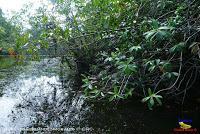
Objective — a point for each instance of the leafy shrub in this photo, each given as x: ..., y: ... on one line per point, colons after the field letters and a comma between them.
x: 119, y: 48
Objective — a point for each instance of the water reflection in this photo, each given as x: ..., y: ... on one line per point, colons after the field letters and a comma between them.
x: 36, y: 98
x: 39, y: 95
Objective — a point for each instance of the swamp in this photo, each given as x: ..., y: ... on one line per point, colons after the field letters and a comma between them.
x: 99, y: 67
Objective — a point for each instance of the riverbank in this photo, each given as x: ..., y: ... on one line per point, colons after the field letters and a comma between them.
x: 36, y: 97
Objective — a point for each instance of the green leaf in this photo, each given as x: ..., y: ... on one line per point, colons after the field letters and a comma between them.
x: 158, y: 96
x: 145, y: 99
x: 151, y: 68
x: 120, y: 97
x: 158, y: 100
x: 175, y: 74
x: 166, y: 28
x: 89, y: 86
x: 169, y: 75
x: 127, y: 68
x: 150, y: 35
x: 177, y: 48
x: 159, y: 32
x: 151, y: 101
x: 111, y: 93
x: 112, y: 98
x: 149, y: 92
x: 157, y: 61
x: 133, y: 68
x: 149, y: 105
x: 2, y: 30
x: 155, y: 24
x: 102, y: 94
x: 94, y: 91
x: 129, y: 93
x: 116, y: 90
x: 163, y: 34
x: 167, y: 67
x: 135, y: 48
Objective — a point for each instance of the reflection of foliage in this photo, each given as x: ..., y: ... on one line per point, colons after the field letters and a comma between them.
x: 125, y: 46
x: 7, y: 62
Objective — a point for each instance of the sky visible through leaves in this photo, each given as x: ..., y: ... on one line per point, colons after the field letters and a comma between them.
x: 10, y: 6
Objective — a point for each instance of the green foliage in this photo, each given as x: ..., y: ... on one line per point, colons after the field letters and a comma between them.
x: 145, y: 56
x: 119, y: 48
x: 126, y: 67
x: 151, y: 99
x: 8, y: 32
x: 7, y: 62
x: 159, y: 33
x: 115, y: 94
x: 178, y: 48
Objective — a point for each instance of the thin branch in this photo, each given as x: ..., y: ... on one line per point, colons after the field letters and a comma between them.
x: 180, y: 67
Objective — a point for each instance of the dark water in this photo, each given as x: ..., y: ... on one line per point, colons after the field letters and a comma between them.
x: 36, y: 98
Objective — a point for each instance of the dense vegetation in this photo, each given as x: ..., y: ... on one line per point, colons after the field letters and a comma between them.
x: 118, y: 48
x: 8, y: 32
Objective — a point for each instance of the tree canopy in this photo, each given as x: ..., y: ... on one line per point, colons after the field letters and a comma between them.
x: 7, y: 32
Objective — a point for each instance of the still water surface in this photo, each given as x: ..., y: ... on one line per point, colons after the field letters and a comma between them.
x: 38, y: 95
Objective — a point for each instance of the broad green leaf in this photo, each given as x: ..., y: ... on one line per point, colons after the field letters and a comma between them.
x: 163, y: 34
x: 157, y: 61
x: 149, y: 105
x: 158, y: 100
x: 151, y: 101
x: 177, y: 48
x: 149, y: 92
x: 169, y: 75
x: 145, y: 99
x: 167, y: 67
